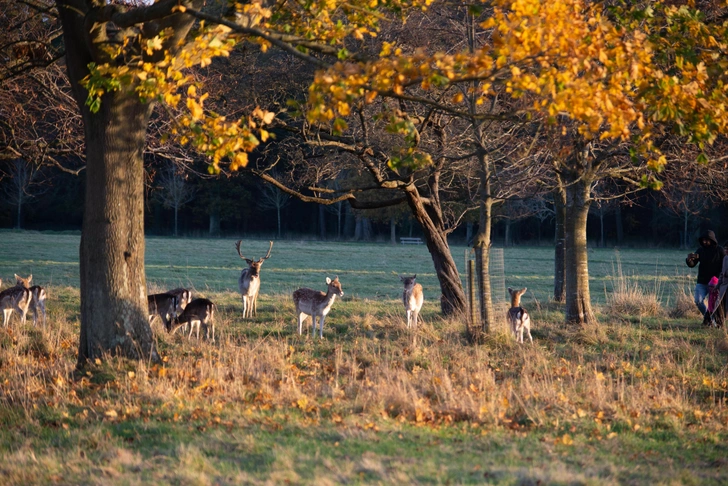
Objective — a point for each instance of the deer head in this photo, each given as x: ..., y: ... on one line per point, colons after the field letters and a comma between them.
x: 253, y: 264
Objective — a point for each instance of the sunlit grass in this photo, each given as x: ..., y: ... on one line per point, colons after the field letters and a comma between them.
x: 628, y: 400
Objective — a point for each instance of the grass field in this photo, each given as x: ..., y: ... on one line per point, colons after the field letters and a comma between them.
x: 634, y: 399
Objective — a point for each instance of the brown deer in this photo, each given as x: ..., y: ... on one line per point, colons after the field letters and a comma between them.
x: 249, y: 282
x: 16, y: 299
x: 518, y: 317
x: 184, y: 297
x: 315, y: 303
x: 196, y: 313
x: 412, y: 297
x: 37, y: 303
x: 164, y: 306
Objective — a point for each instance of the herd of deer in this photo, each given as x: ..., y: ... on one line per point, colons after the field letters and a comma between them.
x: 177, y: 309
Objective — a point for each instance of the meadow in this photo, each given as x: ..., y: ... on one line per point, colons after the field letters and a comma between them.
x: 638, y: 398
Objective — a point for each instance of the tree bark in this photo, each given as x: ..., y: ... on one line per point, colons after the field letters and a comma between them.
x: 620, y: 226
x: 114, y: 314
x: 453, y: 295
x: 560, y: 245
x: 482, y: 244
x: 578, y: 300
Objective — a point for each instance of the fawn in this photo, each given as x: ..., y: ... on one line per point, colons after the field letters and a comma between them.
x: 16, y: 299
x: 249, y: 282
x: 315, y: 303
x: 37, y: 303
x: 518, y: 317
x: 164, y: 306
x: 412, y: 298
x: 196, y: 313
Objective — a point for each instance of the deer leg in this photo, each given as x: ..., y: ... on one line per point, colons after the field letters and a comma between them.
x: 321, y: 327
x: 6, y: 316
x: 409, y: 318
x: 415, y: 316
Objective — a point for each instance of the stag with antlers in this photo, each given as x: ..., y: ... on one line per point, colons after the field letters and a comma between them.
x: 249, y: 282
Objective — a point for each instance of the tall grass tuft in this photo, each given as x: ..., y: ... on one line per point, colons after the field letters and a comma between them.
x: 684, y: 305
x: 628, y: 297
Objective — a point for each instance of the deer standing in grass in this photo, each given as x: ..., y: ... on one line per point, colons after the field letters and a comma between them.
x: 184, y: 297
x: 196, y: 313
x: 37, y: 303
x: 249, y: 282
x: 164, y: 306
x: 518, y: 317
x: 16, y: 299
x: 315, y: 303
x: 412, y: 297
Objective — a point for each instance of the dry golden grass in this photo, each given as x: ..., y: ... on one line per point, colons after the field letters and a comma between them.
x: 683, y: 305
x: 590, y: 384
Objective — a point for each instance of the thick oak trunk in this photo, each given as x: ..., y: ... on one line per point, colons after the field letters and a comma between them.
x: 578, y: 300
x: 453, y: 295
x: 113, y: 284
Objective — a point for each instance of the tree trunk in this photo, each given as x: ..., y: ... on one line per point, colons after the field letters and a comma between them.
x: 114, y: 313
x: 215, y: 222
x: 482, y: 246
x: 686, y: 243
x: 453, y: 299
x: 176, y: 212
x: 19, y: 214
x: 620, y: 226
x: 113, y: 284
x: 578, y: 300
x: 278, y: 211
x: 392, y: 231
x: 322, y: 222
x: 358, y: 228
x: 560, y: 245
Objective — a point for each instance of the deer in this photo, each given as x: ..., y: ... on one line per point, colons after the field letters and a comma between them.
x: 37, y: 303
x: 315, y: 303
x: 249, y: 282
x: 518, y: 317
x: 16, y: 299
x: 162, y: 305
x: 196, y: 313
x: 412, y: 297
x: 184, y: 297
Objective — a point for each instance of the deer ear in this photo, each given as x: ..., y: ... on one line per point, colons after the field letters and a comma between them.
x: 510, y: 290
x: 328, y: 280
x: 401, y: 278
x: 30, y: 278
x: 414, y: 277
x: 524, y: 289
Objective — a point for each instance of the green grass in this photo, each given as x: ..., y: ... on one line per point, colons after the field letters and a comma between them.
x: 366, y: 270
x: 636, y: 400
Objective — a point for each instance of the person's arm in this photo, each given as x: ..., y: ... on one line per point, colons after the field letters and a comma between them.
x: 692, y: 259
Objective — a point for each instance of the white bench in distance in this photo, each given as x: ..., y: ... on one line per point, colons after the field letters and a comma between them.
x: 410, y: 241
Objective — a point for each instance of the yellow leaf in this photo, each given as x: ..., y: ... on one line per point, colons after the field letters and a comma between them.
x: 567, y: 440
x: 111, y: 413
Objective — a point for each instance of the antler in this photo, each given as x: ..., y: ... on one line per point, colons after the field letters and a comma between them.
x: 237, y: 247
x: 269, y: 249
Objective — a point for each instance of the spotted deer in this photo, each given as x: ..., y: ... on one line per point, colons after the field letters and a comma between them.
x: 162, y: 305
x: 196, y: 313
x: 37, y: 303
x: 518, y: 317
x: 412, y: 297
x: 249, y: 282
x: 16, y: 299
x: 315, y: 303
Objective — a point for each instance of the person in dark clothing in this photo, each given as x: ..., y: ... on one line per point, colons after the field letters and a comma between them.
x: 709, y: 258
